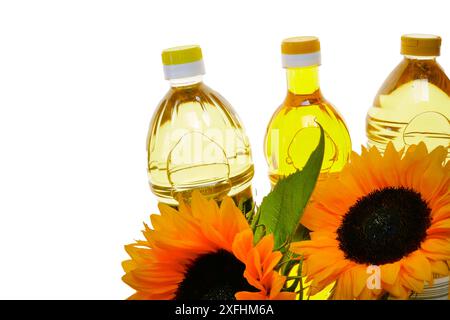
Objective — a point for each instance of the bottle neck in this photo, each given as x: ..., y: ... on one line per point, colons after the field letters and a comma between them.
x: 184, y: 82
x: 409, y: 57
x: 303, y: 80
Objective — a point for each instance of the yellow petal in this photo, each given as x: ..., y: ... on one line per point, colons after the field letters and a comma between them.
x: 245, y: 295
x: 389, y: 272
x: 242, y: 244
x: 397, y: 290
x: 414, y: 284
x: 437, y: 249
x: 439, y: 267
x: 359, y: 279
x: 343, y: 289
x: 418, y: 266
x: 285, y: 296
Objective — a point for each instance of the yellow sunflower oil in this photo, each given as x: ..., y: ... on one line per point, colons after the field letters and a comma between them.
x: 195, y: 139
x: 413, y: 104
x: 293, y: 131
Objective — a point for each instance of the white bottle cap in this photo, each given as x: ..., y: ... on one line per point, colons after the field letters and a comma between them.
x: 185, y: 70
x: 300, y: 60
x: 183, y: 62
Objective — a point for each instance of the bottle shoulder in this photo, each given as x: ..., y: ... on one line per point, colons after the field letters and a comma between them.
x: 312, y: 104
x: 409, y: 70
x: 196, y: 92
x: 194, y: 105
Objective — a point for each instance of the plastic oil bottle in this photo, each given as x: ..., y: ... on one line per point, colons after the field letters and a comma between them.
x: 293, y: 133
x: 195, y: 139
x: 413, y: 104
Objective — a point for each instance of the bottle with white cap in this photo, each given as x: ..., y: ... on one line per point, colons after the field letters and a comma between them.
x: 293, y: 131
x: 195, y: 140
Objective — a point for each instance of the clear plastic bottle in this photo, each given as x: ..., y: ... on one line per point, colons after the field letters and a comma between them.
x: 413, y: 104
x: 293, y: 133
x: 195, y: 140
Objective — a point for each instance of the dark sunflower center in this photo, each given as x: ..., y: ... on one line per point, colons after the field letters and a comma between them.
x: 384, y: 226
x: 213, y: 276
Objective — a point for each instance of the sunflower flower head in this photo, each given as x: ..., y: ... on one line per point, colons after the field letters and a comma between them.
x: 203, y: 251
x: 390, y: 211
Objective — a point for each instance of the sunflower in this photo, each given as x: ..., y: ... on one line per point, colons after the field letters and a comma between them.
x: 203, y: 252
x: 390, y: 211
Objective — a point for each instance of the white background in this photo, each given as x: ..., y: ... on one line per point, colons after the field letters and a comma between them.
x: 79, y: 81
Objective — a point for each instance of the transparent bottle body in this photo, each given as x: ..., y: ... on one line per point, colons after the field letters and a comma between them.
x: 196, y: 142
x: 293, y: 133
x: 413, y: 105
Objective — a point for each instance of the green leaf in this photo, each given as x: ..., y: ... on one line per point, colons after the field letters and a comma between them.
x: 302, y: 233
x: 282, y: 209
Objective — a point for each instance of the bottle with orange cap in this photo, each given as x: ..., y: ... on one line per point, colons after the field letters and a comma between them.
x: 293, y: 131
x: 195, y: 140
x: 413, y: 104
